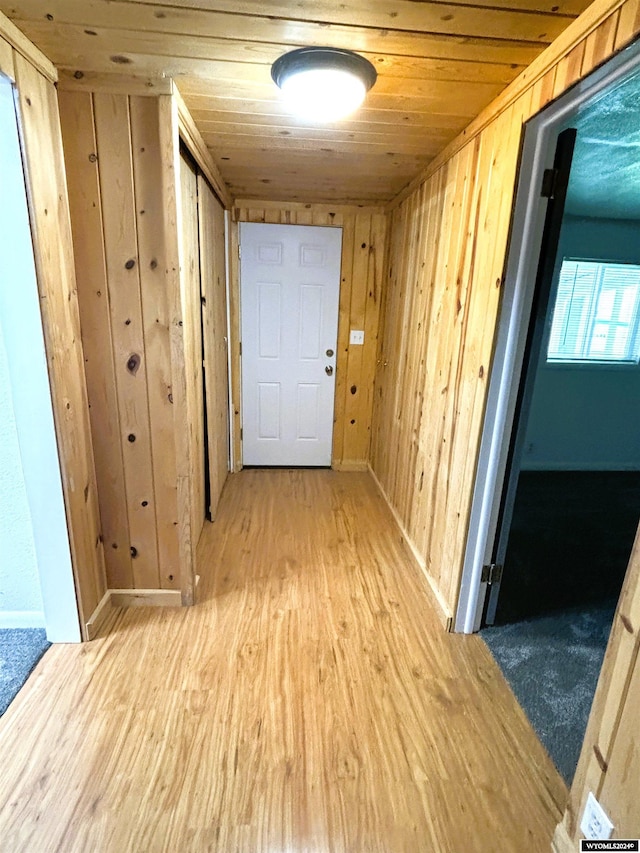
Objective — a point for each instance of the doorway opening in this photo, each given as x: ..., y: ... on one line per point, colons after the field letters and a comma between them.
x: 557, y: 501
x: 37, y: 584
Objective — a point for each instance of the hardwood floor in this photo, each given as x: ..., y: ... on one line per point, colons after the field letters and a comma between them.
x: 311, y: 703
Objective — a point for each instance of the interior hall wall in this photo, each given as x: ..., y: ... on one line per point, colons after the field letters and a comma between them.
x: 363, y: 238
x: 34, y: 78
x: 448, y: 240
x: 582, y: 416
x: 114, y: 164
x: 447, y: 246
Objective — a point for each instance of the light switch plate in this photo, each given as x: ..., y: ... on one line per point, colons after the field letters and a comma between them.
x: 356, y: 337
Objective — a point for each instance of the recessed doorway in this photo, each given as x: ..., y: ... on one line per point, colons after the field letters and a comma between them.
x: 289, y: 293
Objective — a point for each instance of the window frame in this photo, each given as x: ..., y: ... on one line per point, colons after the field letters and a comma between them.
x: 590, y: 363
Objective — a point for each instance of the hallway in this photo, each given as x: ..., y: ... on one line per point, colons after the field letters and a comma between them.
x: 311, y: 702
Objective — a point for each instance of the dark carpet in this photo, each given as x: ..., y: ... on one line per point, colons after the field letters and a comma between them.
x: 20, y: 651
x: 569, y: 542
x: 552, y: 664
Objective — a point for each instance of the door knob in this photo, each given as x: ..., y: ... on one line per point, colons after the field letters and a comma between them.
x: 328, y: 370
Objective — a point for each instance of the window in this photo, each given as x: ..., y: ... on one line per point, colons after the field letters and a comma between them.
x: 596, y: 315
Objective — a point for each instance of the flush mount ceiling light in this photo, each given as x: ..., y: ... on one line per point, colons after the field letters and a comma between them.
x: 323, y: 83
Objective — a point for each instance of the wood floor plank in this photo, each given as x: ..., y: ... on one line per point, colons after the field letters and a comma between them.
x: 309, y: 702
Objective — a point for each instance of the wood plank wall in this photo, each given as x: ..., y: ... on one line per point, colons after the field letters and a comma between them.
x: 363, y: 239
x: 112, y: 152
x: 51, y: 230
x: 447, y: 241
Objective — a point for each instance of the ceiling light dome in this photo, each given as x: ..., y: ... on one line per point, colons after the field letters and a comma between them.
x: 323, y: 83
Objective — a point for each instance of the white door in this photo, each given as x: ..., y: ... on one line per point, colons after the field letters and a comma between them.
x: 289, y: 294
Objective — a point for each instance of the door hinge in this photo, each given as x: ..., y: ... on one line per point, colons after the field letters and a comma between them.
x: 241, y: 433
x: 239, y: 250
x: 549, y: 181
x: 492, y: 573
x: 240, y: 347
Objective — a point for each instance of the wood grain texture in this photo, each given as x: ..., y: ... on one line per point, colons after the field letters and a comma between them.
x: 600, y: 43
x: 439, y: 64
x: 15, y: 38
x: 199, y: 151
x: 310, y: 702
x: 152, y: 260
x: 447, y: 242
x: 623, y: 767
x: 6, y: 59
x: 114, y: 84
x: 52, y: 242
x: 212, y: 236
x: 145, y: 598
x: 628, y: 23
x: 97, y: 623
x: 561, y: 843
x: 594, y: 23
x: 114, y: 150
x: 609, y: 761
x: 192, y: 330
x: 83, y: 180
x: 169, y: 148
x: 114, y: 167
x: 363, y: 238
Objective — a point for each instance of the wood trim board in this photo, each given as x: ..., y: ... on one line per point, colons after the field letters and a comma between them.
x: 21, y: 44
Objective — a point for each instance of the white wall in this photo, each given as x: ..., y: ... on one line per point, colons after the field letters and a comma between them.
x: 30, y: 391
x: 587, y: 417
x: 20, y: 599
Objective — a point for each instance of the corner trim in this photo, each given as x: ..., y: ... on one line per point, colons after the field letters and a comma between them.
x: 98, y: 618
x: 113, y: 84
x: 352, y: 465
x: 561, y: 843
x: 192, y: 138
x: 22, y: 45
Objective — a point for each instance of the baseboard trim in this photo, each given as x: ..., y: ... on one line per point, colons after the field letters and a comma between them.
x: 129, y: 598
x: 146, y: 598
x: 99, y: 617
x: 350, y: 465
x: 561, y: 843
x: 443, y: 612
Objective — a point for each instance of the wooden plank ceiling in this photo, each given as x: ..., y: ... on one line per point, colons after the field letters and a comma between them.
x: 439, y: 64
